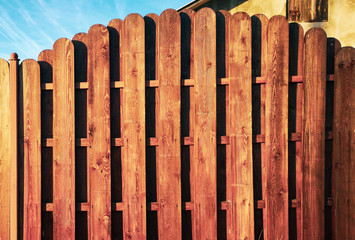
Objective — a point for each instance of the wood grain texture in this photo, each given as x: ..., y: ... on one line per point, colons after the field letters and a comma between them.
x: 344, y: 145
x: 168, y: 126
x: 205, y: 212
x: 299, y: 122
x: 188, y: 166
x: 314, y: 134
x: 63, y: 140
x: 99, y: 151
x: 134, y: 150
x: 30, y: 90
x: 240, y: 190
x: 4, y: 150
x: 14, y: 166
x: 262, y: 21
x: 276, y: 129
x: 45, y: 61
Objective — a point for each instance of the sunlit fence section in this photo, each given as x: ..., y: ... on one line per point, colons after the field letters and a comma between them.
x: 191, y: 125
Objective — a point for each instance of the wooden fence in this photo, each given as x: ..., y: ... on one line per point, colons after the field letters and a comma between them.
x: 198, y: 125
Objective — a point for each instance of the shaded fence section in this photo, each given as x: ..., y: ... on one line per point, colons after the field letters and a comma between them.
x: 198, y: 125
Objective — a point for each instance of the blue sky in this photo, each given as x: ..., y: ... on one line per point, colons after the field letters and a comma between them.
x: 29, y: 26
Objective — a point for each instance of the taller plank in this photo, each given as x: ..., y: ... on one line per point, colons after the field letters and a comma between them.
x: 168, y: 126
x: 99, y: 151
x: 133, y: 152
x: 205, y: 211
x: 4, y: 150
x: 30, y: 92
x: 276, y: 129
x: 63, y: 140
x: 344, y: 145
x: 240, y: 192
x: 314, y: 134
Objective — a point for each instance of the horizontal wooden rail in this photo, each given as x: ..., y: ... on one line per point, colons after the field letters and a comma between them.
x: 184, y: 82
x: 187, y: 206
x: 187, y: 141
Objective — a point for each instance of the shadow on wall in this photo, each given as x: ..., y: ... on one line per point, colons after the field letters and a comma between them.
x: 226, y: 5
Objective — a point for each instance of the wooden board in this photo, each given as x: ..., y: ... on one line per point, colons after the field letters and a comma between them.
x: 99, y: 151
x: 134, y: 149
x: 299, y: 120
x: 14, y: 149
x: 82, y: 161
x: 240, y: 188
x: 314, y: 134
x: 63, y: 140
x: 45, y: 61
x: 168, y: 126
x: 344, y: 145
x: 260, y: 26
x: 30, y: 95
x: 276, y: 130
x: 205, y: 144
x: 4, y: 150
x: 188, y: 166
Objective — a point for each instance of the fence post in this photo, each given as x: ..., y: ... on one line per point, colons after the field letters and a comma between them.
x: 4, y: 150
x: 314, y: 134
x: 13, y: 144
x: 344, y: 145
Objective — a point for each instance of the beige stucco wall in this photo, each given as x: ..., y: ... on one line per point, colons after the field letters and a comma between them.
x: 341, y: 15
x: 340, y: 24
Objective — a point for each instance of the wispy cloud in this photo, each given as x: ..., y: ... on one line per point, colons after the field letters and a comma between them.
x: 29, y: 26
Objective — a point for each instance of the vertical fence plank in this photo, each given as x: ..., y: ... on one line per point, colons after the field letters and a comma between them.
x: 314, y: 134
x: 133, y: 154
x: 30, y: 91
x: 344, y: 145
x: 13, y: 196
x: 259, y: 69
x: 276, y: 135
x: 299, y: 119
x: 205, y: 211
x: 168, y: 127
x: 82, y: 171
x: 188, y: 166
x: 63, y: 140
x: 99, y: 151
x: 240, y: 107
x: 45, y: 61
x: 4, y: 150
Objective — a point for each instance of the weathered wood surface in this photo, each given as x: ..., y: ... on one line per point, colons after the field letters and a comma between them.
x: 45, y: 61
x: 240, y: 190
x: 30, y: 95
x: 168, y: 126
x: 276, y: 134
x: 299, y: 120
x: 344, y: 145
x: 4, y: 150
x: 314, y: 134
x: 133, y: 154
x: 188, y: 166
x: 64, y: 140
x: 14, y: 166
x: 205, y: 152
x: 260, y: 69
x: 99, y: 151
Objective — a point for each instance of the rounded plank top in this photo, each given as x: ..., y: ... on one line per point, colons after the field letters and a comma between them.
x: 82, y: 37
x: 4, y: 62
x: 316, y: 31
x: 225, y: 13
x: 46, y: 56
x: 153, y: 16
x: 116, y: 23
